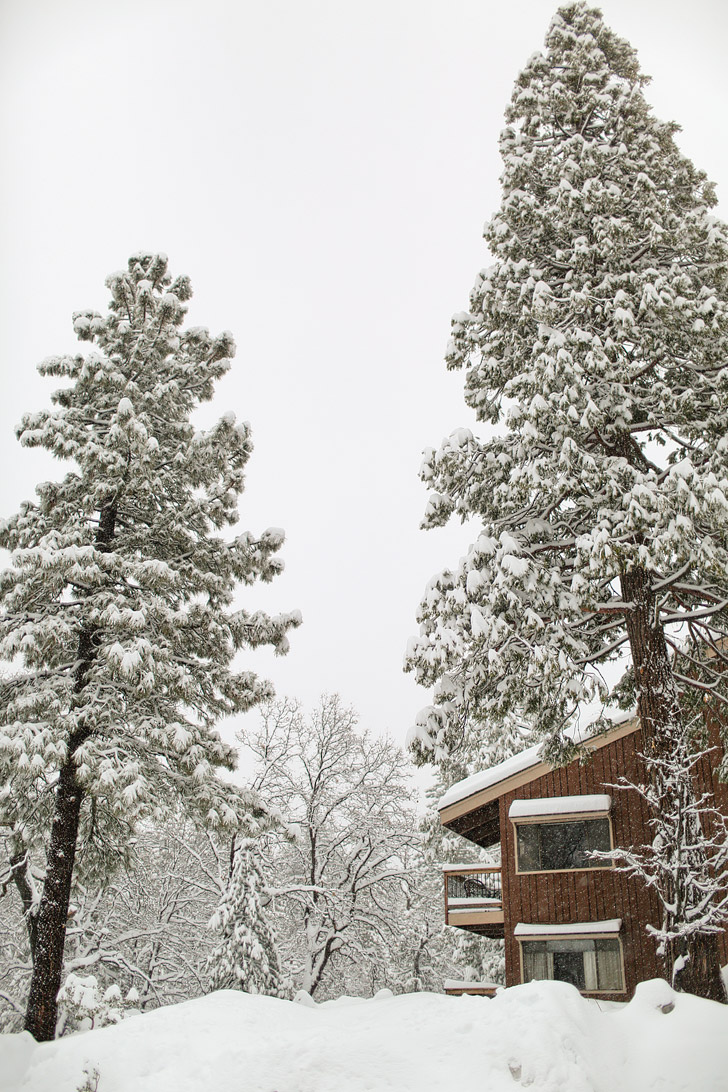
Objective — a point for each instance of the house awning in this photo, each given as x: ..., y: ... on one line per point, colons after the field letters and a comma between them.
x: 592, y: 805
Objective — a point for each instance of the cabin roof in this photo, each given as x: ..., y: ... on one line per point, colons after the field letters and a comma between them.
x: 488, y: 785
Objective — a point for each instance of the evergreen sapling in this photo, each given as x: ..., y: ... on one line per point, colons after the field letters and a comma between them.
x: 246, y: 955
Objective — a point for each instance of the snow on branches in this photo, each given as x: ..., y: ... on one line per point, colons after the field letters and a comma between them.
x: 246, y: 955
x: 117, y: 608
x: 686, y: 864
x: 337, y: 881
x: 594, y: 348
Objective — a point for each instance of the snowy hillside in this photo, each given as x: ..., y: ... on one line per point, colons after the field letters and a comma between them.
x: 542, y: 1036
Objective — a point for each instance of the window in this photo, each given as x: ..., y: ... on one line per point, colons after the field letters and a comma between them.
x: 542, y: 847
x: 589, y: 964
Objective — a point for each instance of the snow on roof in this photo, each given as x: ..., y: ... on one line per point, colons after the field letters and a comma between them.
x: 560, y: 805
x: 467, y: 904
x: 589, y: 928
x: 469, y: 984
x: 468, y: 866
x: 484, y: 779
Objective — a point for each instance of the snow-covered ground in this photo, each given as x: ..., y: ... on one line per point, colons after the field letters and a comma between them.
x: 542, y: 1036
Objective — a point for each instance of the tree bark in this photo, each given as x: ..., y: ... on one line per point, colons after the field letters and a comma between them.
x: 658, y: 707
x: 701, y: 973
x: 658, y: 702
x: 50, y: 926
x: 18, y: 869
x: 40, y: 1018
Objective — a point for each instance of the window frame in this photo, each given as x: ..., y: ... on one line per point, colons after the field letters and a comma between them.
x: 549, y: 820
x: 576, y: 936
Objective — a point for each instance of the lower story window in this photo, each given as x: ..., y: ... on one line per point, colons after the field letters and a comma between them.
x: 587, y: 964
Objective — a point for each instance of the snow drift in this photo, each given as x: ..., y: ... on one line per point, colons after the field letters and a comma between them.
x: 543, y: 1036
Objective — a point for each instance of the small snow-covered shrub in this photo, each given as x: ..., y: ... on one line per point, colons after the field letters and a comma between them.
x: 91, y: 1082
x: 82, y: 1006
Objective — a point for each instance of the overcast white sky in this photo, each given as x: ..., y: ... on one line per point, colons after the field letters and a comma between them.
x: 322, y: 170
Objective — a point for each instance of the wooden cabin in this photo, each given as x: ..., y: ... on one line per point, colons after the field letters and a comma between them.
x: 562, y: 914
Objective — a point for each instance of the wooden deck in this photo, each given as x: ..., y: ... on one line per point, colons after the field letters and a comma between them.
x: 474, y: 899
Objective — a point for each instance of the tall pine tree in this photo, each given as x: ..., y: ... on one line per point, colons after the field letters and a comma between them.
x: 117, y: 609
x: 595, y: 348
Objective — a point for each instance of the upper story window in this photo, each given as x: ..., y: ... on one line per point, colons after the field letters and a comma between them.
x: 560, y: 833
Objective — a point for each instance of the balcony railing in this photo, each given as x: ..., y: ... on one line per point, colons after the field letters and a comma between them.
x: 473, y: 898
x: 475, y: 885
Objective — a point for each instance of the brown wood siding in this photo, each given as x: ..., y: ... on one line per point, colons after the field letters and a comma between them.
x: 556, y: 898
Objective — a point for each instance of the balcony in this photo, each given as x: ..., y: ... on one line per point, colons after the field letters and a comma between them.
x: 474, y: 899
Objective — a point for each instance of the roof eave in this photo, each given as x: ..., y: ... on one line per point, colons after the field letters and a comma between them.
x: 481, y: 797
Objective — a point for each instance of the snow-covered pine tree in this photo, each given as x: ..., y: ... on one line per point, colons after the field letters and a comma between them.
x: 246, y: 956
x: 117, y: 609
x: 595, y: 348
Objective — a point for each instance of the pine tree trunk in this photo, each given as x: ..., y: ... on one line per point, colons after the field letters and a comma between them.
x: 701, y: 972
x: 18, y: 870
x: 50, y: 928
x: 657, y: 698
x: 658, y: 707
x: 40, y: 1018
